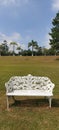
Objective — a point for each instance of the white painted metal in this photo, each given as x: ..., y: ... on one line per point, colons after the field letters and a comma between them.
x: 29, y: 86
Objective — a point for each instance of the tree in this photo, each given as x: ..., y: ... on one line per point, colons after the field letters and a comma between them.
x: 32, y: 44
x: 50, y: 51
x: 13, y: 44
x: 54, y: 41
x: 4, y: 48
x: 19, y: 49
x: 39, y: 51
x: 29, y: 52
x: 0, y: 49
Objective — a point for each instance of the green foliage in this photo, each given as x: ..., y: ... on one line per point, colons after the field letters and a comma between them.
x: 50, y: 51
x: 13, y: 44
x: 36, y: 50
x: 19, y: 50
x: 4, y: 48
x: 54, y: 42
x: 33, y: 44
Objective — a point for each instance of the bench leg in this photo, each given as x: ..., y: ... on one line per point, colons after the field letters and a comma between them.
x: 7, y: 103
x: 50, y: 101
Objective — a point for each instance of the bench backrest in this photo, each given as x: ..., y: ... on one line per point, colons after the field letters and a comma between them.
x: 29, y: 82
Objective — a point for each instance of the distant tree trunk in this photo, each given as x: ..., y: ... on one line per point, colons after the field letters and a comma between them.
x: 14, y: 44
x: 32, y: 50
x: 32, y: 44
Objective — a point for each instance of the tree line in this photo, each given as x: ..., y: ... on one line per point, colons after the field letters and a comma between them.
x: 33, y: 48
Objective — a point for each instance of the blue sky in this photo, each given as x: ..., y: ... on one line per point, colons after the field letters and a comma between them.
x: 26, y: 20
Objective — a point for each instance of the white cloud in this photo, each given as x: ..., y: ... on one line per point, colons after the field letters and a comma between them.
x: 14, y: 37
x: 13, y: 2
x: 46, y: 41
x: 7, y: 2
x: 55, y: 5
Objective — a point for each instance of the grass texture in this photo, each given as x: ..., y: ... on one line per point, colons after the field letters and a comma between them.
x: 29, y: 113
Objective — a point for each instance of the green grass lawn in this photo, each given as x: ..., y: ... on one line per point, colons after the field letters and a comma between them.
x: 29, y: 113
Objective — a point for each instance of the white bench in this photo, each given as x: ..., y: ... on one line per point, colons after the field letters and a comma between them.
x: 29, y: 86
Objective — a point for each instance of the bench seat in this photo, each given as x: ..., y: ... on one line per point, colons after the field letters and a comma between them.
x: 29, y: 93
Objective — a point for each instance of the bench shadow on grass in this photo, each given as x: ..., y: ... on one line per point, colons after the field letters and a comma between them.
x: 35, y: 103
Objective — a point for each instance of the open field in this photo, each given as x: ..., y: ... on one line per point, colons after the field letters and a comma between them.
x: 29, y: 113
